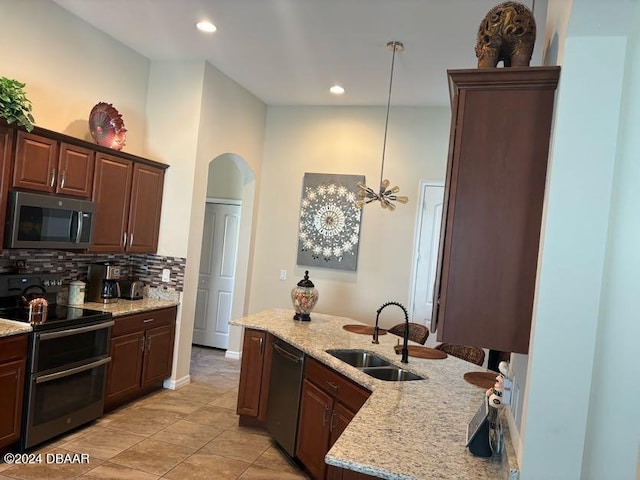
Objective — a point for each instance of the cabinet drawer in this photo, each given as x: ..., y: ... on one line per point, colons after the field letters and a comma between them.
x: 13, y: 347
x: 143, y: 321
x: 348, y: 392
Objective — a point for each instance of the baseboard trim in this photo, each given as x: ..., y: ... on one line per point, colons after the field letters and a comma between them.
x: 234, y: 355
x: 176, y: 384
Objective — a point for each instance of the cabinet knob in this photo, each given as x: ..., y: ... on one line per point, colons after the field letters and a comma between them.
x: 63, y: 178
x: 53, y: 177
x: 142, y: 347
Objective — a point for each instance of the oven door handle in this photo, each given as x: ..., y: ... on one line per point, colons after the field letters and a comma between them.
x: 75, y: 331
x: 72, y: 371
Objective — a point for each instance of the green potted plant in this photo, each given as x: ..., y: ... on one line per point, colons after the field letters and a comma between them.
x: 14, y: 104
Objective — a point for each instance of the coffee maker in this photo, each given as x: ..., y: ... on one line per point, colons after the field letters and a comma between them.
x: 103, y: 282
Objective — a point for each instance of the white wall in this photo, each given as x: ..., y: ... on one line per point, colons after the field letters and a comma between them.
x: 225, y: 179
x: 561, y: 379
x: 232, y: 121
x: 345, y: 141
x: 615, y: 389
x: 69, y: 66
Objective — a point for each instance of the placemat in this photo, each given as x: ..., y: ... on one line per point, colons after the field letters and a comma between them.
x: 481, y: 379
x: 422, y: 352
x: 363, y: 329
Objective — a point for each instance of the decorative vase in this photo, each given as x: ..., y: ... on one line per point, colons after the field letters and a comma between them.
x: 304, y: 298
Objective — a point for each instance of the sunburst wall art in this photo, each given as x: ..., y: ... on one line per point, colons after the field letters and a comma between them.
x: 329, y: 228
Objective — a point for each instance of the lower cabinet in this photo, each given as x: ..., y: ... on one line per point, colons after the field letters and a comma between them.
x: 328, y: 403
x: 255, y: 372
x: 13, y: 360
x: 141, y: 354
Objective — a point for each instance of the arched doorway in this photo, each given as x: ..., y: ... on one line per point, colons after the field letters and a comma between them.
x: 224, y: 253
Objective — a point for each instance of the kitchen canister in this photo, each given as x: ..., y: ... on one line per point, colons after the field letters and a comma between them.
x: 304, y: 297
x: 76, y: 292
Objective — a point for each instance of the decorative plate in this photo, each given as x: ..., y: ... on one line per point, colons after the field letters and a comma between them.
x: 106, y: 126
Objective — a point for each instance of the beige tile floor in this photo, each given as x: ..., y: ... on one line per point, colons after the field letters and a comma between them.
x: 187, y: 434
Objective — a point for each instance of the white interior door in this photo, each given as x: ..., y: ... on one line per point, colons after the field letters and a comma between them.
x: 429, y: 220
x: 217, y: 275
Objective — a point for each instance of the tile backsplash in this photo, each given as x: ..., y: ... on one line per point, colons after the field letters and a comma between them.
x: 73, y: 266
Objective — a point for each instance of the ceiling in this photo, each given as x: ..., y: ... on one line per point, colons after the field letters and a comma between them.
x: 289, y: 52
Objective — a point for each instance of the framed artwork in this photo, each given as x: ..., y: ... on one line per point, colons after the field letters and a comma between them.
x: 329, y: 227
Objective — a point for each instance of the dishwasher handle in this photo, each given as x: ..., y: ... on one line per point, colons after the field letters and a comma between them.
x: 288, y: 355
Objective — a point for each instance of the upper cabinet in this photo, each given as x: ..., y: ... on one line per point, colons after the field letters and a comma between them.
x: 494, y: 192
x: 128, y: 201
x: 6, y: 152
x: 47, y: 165
x: 126, y: 189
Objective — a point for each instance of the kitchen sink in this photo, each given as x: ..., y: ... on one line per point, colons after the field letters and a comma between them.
x: 391, y: 374
x: 373, y: 365
x: 358, y: 358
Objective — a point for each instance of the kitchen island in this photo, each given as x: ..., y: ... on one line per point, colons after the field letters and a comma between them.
x: 405, y: 430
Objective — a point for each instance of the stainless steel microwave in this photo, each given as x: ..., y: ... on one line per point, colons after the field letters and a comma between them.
x: 46, y: 221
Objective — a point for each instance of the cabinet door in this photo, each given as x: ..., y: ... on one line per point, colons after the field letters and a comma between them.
x: 494, y: 194
x: 313, y: 429
x: 159, y: 355
x: 6, y: 152
x: 144, y: 212
x: 340, y: 418
x: 111, y: 194
x: 11, y: 392
x: 125, y: 369
x: 75, y: 171
x: 251, y: 368
x: 35, y: 162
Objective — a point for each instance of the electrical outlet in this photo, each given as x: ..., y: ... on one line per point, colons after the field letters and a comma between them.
x: 283, y: 274
x: 166, y: 275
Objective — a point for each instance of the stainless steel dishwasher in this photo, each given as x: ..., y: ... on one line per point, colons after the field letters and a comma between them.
x: 284, y: 394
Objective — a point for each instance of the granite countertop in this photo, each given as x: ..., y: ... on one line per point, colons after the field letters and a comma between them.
x: 405, y: 430
x: 119, y: 308
x: 11, y: 327
x: 127, y: 307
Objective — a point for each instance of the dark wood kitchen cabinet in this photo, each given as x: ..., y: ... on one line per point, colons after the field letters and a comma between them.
x: 255, y: 373
x: 45, y: 164
x: 328, y: 403
x: 13, y: 359
x: 141, y: 354
x: 6, y: 156
x: 128, y: 198
x: 494, y: 192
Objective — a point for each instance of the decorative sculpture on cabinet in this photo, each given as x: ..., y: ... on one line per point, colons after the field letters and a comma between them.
x: 507, y: 33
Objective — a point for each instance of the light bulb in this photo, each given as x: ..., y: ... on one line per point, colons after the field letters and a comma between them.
x: 402, y: 199
x: 395, y: 189
x: 384, y: 184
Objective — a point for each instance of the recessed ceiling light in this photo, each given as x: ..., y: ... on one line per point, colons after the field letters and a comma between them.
x: 206, y: 27
x: 337, y: 90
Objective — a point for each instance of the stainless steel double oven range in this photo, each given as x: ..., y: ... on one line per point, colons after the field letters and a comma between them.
x: 67, y: 363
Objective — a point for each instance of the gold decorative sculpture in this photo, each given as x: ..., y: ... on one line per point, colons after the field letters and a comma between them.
x: 507, y: 33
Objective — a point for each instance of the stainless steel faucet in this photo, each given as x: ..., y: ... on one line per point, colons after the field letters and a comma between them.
x: 405, y: 337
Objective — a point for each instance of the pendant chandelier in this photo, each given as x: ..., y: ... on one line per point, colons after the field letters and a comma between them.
x: 385, y: 195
